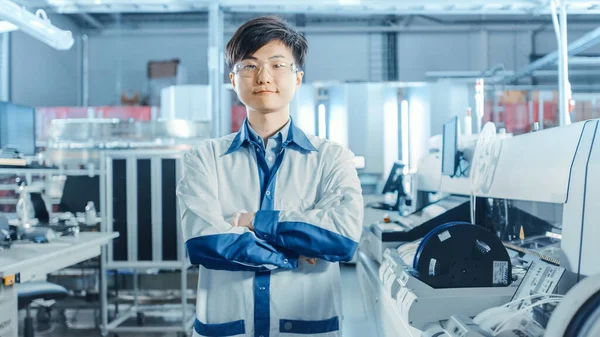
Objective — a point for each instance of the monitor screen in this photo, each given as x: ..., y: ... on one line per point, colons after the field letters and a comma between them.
x: 17, y: 128
x: 450, y: 147
x: 394, y: 180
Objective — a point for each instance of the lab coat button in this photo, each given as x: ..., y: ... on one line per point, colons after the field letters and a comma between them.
x: 266, y: 237
x: 268, y: 193
x: 287, y: 326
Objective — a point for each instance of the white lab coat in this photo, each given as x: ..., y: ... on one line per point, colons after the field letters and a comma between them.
x: 254, y: 283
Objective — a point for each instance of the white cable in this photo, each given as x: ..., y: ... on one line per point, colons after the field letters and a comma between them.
x: 486, y: 317
x: 532, y: 297
x: 478, y: 319
x: 521, y: 311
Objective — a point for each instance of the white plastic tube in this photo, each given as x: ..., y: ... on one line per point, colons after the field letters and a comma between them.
x: 37, y: 25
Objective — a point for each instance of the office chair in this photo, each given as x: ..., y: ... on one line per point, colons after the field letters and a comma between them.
x: 31, y: 291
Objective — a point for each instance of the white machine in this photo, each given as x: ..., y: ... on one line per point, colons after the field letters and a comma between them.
x: 578, y: 314
x: 537, y: 193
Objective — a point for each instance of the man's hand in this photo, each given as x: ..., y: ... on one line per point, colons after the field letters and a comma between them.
x: 310, y: 260
x: 243, y: 219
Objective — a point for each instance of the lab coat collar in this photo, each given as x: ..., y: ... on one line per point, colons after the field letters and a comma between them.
x: 295, y: 136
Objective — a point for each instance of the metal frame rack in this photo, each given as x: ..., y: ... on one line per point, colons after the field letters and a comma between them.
x: 125, y: 255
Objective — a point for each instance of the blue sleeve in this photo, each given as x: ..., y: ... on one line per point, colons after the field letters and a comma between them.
x: 304, y: 238
x: 237, y: 252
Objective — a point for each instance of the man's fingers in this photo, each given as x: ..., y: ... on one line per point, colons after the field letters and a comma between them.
x: 235, y: 219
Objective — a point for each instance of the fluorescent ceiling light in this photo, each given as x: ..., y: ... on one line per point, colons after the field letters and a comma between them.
x: 36, y: 25
x: 6, y: 27
x: 350, y: 2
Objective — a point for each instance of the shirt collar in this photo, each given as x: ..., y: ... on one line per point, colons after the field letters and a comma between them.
x: 281, y: 135
x: 298, y: 137
x: 294, y: 135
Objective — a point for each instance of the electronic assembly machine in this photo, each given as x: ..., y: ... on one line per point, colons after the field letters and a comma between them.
x: 511, y: 253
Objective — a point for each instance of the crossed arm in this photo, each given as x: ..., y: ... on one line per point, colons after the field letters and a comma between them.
x: 267, y: 240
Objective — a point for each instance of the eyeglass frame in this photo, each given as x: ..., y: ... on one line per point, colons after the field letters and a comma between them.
x: 293, y: 67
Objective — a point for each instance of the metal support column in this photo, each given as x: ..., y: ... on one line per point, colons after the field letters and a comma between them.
x: 85, y: 71
x: 215, y: 64
x: 484, y: 55
x: 5, y: 67
x: 541, y: 110
x: 104, y: 254
x: 564, y: 88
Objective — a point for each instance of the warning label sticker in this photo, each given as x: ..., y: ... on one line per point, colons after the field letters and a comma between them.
x: 443, y: 236
x: 500, y: 273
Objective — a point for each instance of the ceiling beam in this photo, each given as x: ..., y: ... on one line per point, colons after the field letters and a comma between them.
x: 91, y: 20
x: 584, y: 61
x: 363, y: 7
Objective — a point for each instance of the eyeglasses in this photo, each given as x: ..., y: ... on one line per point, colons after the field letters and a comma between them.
x: 276, y: 68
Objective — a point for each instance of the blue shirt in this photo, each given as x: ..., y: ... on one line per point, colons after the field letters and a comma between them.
x: 274, y: 143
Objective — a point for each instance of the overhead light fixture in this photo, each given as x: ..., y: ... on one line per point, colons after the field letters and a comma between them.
x: 37, y: 25
x: 6, y: 27
x: 349, y: 2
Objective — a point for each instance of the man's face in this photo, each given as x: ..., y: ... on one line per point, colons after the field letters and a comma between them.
x: 267, y: 81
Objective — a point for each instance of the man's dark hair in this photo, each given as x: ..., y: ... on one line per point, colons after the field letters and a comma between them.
x: 256, y: 33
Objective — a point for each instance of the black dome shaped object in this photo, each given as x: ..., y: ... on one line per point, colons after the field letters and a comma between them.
x: 461, y: 255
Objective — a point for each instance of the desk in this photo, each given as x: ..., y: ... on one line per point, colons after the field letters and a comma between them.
x: 373, y: 215
x: 34, y: 261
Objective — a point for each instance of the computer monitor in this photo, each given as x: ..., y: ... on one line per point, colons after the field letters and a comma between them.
x: 393, y: 184
x: 394, y: 179
x: 17, y: 128
x: 450, y: 147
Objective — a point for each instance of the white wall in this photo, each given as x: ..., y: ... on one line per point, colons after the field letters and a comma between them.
x: 421, y: 52
x: 118, y: 63
x: 460, y: 51
x: 340, y: 57
x: 509, y: 48
x: 41, y: 75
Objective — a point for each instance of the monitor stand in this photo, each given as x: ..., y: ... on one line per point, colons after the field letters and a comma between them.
x: 389, y: 207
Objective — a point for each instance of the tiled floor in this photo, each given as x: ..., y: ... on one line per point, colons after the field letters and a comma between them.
x: 356, y: 322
